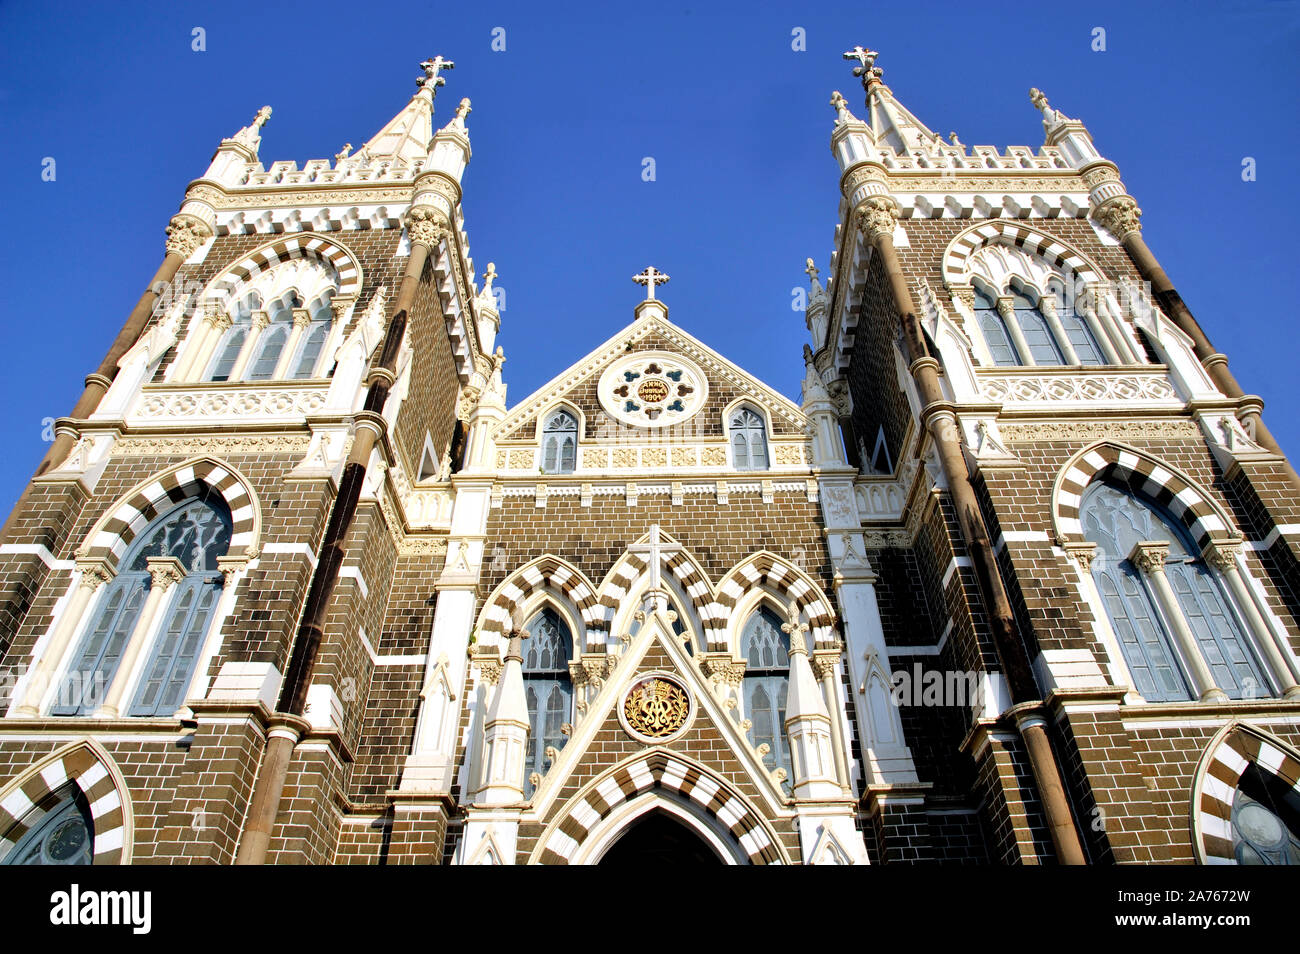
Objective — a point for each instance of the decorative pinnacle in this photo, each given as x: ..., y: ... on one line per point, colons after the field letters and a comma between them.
x: 866, y: 68
x: 432, y: 68
x: 811, y: 271
x: 795, y: 630
x: 343, y: 153
x: 489, y: 276
x: 650, y: 278
x: 260, y: 119
x: 462, y: 111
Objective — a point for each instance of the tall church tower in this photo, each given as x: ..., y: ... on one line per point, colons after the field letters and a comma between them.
x: 196, y: 578
x: 1064, y: 490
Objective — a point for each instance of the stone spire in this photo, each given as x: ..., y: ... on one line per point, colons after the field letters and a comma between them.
x: 1070, y: 135
x: 406, y: 136
x: 505, y: 729
x: 891, y: 124
x: 238, y: 152
x: 807, y: 721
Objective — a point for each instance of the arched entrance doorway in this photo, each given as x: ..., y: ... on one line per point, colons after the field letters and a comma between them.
x: 659, y: 839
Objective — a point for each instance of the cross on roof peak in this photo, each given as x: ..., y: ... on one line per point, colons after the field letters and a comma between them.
x: 866, y: 67
x: 654, y: 550
x: 650, y: 278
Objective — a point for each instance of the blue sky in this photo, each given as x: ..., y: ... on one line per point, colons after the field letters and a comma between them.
x: 737, y: 122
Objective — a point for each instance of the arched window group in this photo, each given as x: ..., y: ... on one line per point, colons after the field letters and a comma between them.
x: 1168, y: 609
x: 282, y: 340
x: 169, y: 573
x: 766, y: 651
x: 1021, y: 329
x: 548, y: 689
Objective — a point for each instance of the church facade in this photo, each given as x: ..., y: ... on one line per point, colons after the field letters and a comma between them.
x: 1014, y: 582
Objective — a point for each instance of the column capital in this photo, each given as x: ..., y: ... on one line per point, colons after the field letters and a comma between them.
x: 185, y: 234
x: 260, y: 320
x: 877, y: 216
x: 93, y: 572
x: 1120, y: 215
x: 164, y: 571
x: 1222, y: 554
x: 963, y: 293
x: 1007, y: 307
x: 1149, y: 556
x: 301, y: 318
x: 426, y: 226
x: 1081, y: 553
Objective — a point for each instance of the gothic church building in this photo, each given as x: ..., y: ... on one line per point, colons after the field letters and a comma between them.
x: 1015, y: 582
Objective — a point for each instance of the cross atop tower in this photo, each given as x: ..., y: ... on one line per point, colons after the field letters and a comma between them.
x: 650, y: 278
x: 431, y: 70
x: 866, y: 67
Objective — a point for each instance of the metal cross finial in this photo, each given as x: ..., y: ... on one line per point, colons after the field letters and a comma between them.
x: 431, y: 69
x: 654, y: 550
x: 866, y: 67
x: 650, y: 278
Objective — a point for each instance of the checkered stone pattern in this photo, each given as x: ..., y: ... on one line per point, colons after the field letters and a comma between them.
x: 1236, y: 750
x: 777, y: 574
x: 287, y: 249
x: 1145, y: 476
x: 1021, y: 236
x: 26, y: 804
x: 663, y: 771
x: 546, y: 572
x: 115, y: 534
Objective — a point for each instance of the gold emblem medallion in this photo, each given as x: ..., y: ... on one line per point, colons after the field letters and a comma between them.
x: 656, y: 708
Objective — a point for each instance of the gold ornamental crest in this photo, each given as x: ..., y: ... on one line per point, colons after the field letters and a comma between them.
x: 656, y: 707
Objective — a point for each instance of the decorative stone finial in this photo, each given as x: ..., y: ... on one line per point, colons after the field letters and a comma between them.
x: 1050, y: 116
x: 795, y: 630
x: 343, y: 153
x: 251, y: 134
x: 866, y: 68
x: 650, y: 278
x: 462, y: 111
x: 841, y: 107
x: 431, y: 80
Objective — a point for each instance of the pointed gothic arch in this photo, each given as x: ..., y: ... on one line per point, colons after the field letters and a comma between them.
x: 685, y: 573
x: 657, y: 778
x: 1237, y: 749
x: 86, y: 766
x: 545, y: 571
x: 780, y: 578
x: 113, y: 532
x: 1147, y: 476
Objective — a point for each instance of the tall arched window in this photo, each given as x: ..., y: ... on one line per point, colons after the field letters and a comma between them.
x: 313, y: 340
x: 1042, y: 346
x: 766, y: 650
x: 994, y: 328
x: 59, y: 831
x: 748, y: 440
x: 196, y: 532
x: 548, y: 689
x: 1265, y: 820
x: 560, y: 443
x: 232, y: 341
x: 1116, y: 519
x: 1076, y: 330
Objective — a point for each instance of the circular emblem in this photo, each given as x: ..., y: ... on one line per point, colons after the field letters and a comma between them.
x: 656, y: 708
x: 652, y: 389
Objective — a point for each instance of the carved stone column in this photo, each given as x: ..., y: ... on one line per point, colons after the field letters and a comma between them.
x: 163, y: 572
x: 1007, y: 309
x: 1223, y: 557
x: 91, y: 575
x: 260, y: 320
x: 1047, y: 305
x: 825, y: 664
x: 1149, y: 556
x: 301, y: 319
x: 212, y: 325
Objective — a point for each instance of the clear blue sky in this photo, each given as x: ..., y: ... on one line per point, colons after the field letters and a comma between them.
x: 737, y: 122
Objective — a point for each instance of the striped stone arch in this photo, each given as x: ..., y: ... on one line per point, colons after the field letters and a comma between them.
x: 780, y: 575
x: 546, y: 571
x: 24, y: 802
x: 302, y: 245
x: 1230, y: 753
x: 1032, y: 240
x: 630, y: 568
x: 1147, y: 476
x: 674, y: 775
x: 114, y: 531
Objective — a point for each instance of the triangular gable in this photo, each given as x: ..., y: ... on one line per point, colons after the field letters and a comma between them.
x: 599, y: 742
x: 728, y: 382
